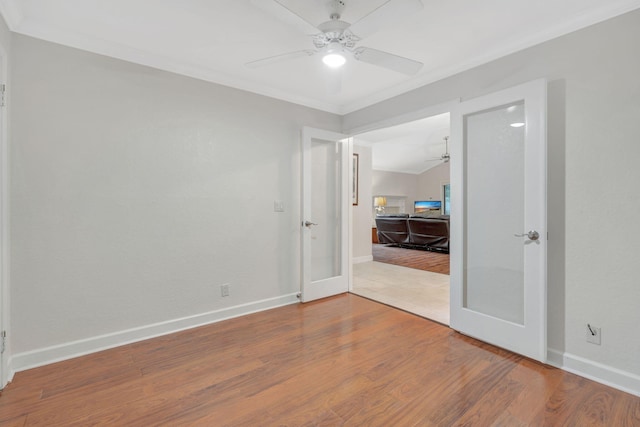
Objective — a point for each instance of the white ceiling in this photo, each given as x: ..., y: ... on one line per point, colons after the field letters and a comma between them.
x: 408, y: 148
x: 213, y: 39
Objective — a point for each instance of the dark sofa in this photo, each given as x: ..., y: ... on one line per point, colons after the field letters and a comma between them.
x: 415, y: 231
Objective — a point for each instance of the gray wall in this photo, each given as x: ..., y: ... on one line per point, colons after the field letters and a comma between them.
x: 136, y: 193
x: 593, y: 134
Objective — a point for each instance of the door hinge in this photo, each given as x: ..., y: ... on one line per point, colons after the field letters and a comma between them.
x: 3, y: 91
x: 3, y: 341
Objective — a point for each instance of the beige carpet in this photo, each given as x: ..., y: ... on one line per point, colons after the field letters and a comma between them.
x: 420, y: 292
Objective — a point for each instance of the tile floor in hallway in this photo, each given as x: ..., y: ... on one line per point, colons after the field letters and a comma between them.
x: 420, y: 292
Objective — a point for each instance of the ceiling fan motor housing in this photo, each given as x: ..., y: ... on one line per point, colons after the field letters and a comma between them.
x: 345, y: 38
x: 335, y: 8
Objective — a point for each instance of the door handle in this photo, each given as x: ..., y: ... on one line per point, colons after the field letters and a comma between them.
x: 308, y: 224
x: 531, y: 235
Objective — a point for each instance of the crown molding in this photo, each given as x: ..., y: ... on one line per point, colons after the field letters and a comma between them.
x: 12, y: 14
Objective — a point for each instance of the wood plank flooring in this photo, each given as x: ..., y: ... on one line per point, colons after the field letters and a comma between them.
x: 413, y: 258
x: 340, y: 361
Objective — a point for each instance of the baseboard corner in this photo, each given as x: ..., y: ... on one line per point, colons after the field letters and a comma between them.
x: 595, y: 371
x: 555, y: 358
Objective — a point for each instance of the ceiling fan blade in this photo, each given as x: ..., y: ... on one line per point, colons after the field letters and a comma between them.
x: 279, y: 58
x: 387, y: 60
x: 279, y: 11
x: 388, y: 14
x: 438, y: 159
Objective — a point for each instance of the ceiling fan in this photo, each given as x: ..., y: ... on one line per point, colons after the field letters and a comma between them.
x: 445, y: 157
x: 338, y: 39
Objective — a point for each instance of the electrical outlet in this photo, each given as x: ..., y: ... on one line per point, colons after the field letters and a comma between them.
x: 224, y: 290
x: 594, y: 334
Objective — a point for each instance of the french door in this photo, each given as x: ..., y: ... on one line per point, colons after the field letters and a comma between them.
x: 498, y: 219
x: 326, y: 202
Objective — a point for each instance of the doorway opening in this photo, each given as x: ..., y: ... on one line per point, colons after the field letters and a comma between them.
x: 404, y: 183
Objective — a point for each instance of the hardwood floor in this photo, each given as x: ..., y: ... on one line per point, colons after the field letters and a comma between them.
x: 340, y: 361
x: 413, y: 258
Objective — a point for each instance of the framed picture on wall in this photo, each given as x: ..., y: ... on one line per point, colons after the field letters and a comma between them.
x: 354, y: 185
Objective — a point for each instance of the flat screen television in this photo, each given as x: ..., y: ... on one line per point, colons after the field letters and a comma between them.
x: 422, y: 206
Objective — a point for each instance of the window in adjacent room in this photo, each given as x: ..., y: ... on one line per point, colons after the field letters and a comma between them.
x: 446, y: 192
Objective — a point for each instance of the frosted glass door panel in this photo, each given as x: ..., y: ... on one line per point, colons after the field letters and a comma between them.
x: 494, y: 212
x: 326, y: 179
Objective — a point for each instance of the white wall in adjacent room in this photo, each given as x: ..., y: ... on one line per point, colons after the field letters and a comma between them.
x: 431, y: 181
x: 361, y: 227
x: 137, y: 193
x: 400, y: 185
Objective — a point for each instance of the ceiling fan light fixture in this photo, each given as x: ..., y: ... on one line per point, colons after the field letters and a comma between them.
x: 334, y: 56
x: 334, y: 60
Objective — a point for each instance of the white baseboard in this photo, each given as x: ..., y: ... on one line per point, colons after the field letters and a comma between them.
x: 604, y: 374
x: 44, y: 356
x: 361, y: 259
